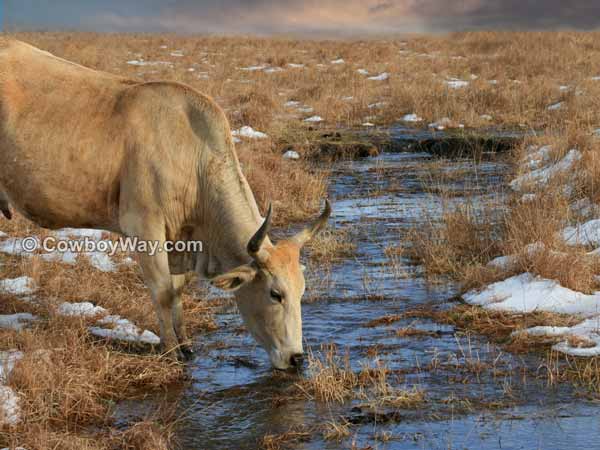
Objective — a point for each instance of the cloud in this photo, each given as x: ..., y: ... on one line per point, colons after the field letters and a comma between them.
x: 302, y: 16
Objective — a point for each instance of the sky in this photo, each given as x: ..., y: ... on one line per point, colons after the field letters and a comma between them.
x: 299, y: 16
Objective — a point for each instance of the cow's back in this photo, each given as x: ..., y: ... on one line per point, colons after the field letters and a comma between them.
x: 61, y: 137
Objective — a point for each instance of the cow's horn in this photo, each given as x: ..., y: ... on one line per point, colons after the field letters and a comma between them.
x: 256, y: 241
x: 306, y: 234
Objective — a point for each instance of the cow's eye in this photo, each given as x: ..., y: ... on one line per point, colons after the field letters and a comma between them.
x: 276, y: 296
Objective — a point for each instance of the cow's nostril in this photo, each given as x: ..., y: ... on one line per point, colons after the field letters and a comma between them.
x: 296, y: 360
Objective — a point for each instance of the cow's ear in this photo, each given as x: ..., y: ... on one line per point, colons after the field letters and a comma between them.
x: 234, y: 279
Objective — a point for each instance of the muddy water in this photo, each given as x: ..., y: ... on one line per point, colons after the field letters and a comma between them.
x: 235, y: 398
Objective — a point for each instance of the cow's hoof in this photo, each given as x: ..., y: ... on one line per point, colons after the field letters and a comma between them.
x: 188, y: 352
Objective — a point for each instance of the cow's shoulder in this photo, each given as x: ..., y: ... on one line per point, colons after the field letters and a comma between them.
x: 176, y: 105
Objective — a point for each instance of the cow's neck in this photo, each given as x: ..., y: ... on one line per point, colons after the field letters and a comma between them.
x: 232, y: 217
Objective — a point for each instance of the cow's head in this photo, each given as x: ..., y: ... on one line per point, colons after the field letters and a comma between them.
x: 268, y: 291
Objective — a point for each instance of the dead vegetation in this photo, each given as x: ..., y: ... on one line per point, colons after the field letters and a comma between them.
x: 331, y: 379
x: 68, y: 381
x: 332, y: 244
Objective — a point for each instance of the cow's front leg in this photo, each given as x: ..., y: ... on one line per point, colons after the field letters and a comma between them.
x: 156, y: 273
x: 178, y: 323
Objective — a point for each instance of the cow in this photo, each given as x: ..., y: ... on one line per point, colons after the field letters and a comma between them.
x: 153, y: 160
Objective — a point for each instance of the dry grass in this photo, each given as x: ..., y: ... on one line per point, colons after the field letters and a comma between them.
x: 583, y: 372
x: 295, y: 189
x: 285, y: 440
x: 463, y: 238
x: 499, y: 326
x: 68, y: 382
x: 332, y: 244
x: 336, y: 431
x: 332, y: 380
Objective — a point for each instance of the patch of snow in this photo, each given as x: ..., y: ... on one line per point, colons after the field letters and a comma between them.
x: 537, y: 157
x: 381, y: 77
x: 18, y: 286
x: 596, y: 78
x: 291, y: 154
x: 486, y: 117
x: 10, y: 412
x: 588, y: 331
x: 82, y: 309
x: 363, y: 71
x: 314, y: 119
x: 273, y: 69
x: 368, y: 124
x: 306, y: 109
x: 597, y: 132
x: 338, y: 61
x: 348, y: 98
x: 13, y: 246
x: 493, y: 82
x: 508, y: 262
x: 555, y: 106
x: 90, y: 233
x: 141, y: 63
x: 101, y: 261
x: 526, y: 198
x: 236, y: 140
x: 566, y: 347
x: 444, y: 123
x: 295, y: 66
x: 64, y: 257
x: 527, y: 293
x: 585, y: 208
x: 292, y: 104
x: 177, y: 53
x: 249, y: 132
x: 455, y: 83
x: 541, y: 177
x: 377, y: 105
x: 254, y: 68
x: 583, y: 234
x: 411, y: 118
x: 16, y: 321
x: 124, y: 330
x: 503, y: 262
x: 3, y: 234
x: 8, y: 359
x: 563, y: 88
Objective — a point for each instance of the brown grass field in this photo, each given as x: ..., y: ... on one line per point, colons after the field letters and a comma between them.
x: 68, y: 381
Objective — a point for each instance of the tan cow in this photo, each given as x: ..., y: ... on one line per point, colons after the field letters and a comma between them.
x: 82, y: 148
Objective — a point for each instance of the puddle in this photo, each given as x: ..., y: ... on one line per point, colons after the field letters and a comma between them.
x: 235, y: 399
